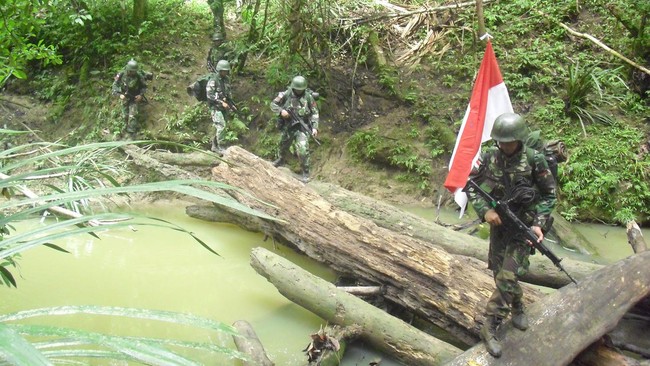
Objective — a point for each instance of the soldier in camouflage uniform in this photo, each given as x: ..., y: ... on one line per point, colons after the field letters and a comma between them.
x: 296, y: 100
x: 220, y: 102
x: 220, y: 50
x: 521, y: 175
x: 130, y: 85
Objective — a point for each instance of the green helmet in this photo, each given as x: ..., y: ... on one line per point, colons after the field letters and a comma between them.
x: 509, y: 127
x: 299, y: 83
x: 217, y: 37
x: 223, y: 65
x: 131, y: 65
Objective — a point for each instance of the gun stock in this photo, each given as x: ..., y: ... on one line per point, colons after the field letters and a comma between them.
x: 513, y: 221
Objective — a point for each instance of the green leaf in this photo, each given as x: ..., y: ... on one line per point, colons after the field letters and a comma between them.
x: 17, y: 351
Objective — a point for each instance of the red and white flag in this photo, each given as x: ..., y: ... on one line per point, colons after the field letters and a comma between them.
x: 489, y: 100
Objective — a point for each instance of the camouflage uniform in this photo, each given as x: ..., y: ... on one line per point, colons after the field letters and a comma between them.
x: 218, y: 89
x: 131, y: 84
x: 220, y: 50
x: 217, y: 8
x: 305, y: 107
x: 503, y: 177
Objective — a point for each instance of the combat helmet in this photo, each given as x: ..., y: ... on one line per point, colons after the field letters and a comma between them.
x: 132, y: 65
x: 217, y: 37
x: 299, y: 83
x: 509, y: 127
x: 223, y: 65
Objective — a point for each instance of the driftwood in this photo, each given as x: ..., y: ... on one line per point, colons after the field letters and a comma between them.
x: 566, y: 322
x: 247, y: 342
x: 387, y: 333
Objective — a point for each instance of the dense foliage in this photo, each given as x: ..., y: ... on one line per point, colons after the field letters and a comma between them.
x: 565, y: 85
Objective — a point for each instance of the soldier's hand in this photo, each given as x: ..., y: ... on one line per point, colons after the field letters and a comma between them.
x: 138, y: 98
x: 284, y: 114
x: 314, y: 132
x: 540, y: 234
x: 492, y: 217
x: 225, y: 105
x: 122, y: 96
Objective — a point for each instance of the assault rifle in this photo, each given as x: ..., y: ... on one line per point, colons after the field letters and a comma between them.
x: 295, y: 118
x: 513, y: 221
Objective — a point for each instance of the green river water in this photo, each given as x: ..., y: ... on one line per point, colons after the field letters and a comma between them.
x: 162, y: 269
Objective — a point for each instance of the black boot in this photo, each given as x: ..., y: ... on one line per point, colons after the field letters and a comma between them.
x: 489, y: 335
x: 305, y: 176
x: 278, y: 162
x: 519, y: 318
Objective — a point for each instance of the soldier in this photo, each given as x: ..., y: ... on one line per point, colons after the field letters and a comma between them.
x: 520, y: 175
x: 130, y: 85
x: 220, y: 102
x: 220, y: 50
x: 297, y: 119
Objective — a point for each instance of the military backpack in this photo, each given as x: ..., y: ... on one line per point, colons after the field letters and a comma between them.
x: 198, y: 88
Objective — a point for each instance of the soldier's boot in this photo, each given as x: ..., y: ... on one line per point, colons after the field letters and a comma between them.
x: 519, y: 318
x: 489, y: 336
x: 305, y: 176
x: 278, y: 162
x: 215, y: 146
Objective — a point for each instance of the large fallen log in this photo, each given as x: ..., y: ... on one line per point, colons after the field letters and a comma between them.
x: 542, y: 272
x: 568, y: 321
x: 384, y: 332
x: 448, y: 290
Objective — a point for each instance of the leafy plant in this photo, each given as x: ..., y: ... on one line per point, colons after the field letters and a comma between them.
x: 71, y: 181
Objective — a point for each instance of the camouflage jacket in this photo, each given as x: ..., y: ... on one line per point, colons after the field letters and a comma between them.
x: 129, y: 85
x: 304, y: 106
x: 218, y: 88
x: 222, y: 52
x: 501, y: 176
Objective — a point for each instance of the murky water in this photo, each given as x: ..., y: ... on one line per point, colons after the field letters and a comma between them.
x: 161, y: 269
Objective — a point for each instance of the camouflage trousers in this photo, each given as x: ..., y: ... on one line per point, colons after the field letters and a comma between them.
x: 508, y: 260
x: 130, y: 114
x: 300, y: 141
x: 219, y: 121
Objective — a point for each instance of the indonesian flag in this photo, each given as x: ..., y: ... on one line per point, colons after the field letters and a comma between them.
x: 489, y: 100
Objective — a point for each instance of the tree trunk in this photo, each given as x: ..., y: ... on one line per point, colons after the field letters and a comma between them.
x: 387, y: 333
x: 569, y: 320
x: 140, y: 10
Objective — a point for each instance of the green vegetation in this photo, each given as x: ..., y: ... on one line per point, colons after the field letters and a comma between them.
x: 565, y: 85
x: 77, y: 179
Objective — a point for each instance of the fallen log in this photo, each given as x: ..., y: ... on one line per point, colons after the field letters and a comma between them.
x: 448, y: 290
x: 573, y: 317
x: 248, y: 343
x: 542, y: 272
x: 386, y: 333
